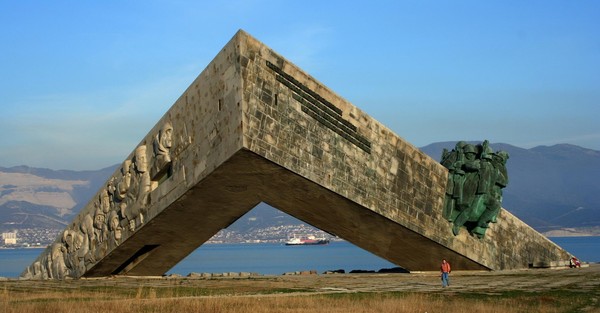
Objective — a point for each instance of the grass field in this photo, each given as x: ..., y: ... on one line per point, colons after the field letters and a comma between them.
x: 576, y: 290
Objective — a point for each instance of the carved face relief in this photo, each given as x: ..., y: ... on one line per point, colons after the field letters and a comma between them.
x: 99, y: 221
x: 68, y: 239
x: 113, y: 223
x: 166, y: 135
x: 141, y: 161
x: 110, y: 187
x: 77, y: 241
x: 125, y: 167
x: 104, y: 201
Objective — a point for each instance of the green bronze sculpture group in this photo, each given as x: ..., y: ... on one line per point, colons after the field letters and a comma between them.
x: 476, y: 178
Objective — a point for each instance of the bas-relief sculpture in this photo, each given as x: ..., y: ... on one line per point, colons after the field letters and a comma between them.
x: 476, y: 178
x: 113, y: 216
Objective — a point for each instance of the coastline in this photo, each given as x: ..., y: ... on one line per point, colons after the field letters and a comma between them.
x: 573, y: 232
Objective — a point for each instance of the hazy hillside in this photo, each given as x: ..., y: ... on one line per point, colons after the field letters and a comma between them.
x: 549, y: 187
x: 262, y: 216
x: 43, y: 198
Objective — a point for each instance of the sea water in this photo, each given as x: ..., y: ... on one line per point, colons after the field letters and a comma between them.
x: 586, y: 249
x: 275, y: 259
x: 14, y: 261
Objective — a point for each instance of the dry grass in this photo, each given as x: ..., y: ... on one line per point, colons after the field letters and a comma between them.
x: 166, y: 301
x: 518, y: 291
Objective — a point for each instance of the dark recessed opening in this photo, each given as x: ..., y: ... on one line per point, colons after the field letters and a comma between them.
x: 134, y: 260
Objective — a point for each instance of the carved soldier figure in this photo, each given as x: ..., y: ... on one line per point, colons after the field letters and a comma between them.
x: 493, y: 198
x: 453, y: 160
x: 471, y: 168
x: 486, y: 171
x: 499, y: 160
x: 100, y: 235
x: 114, y: 226
x: 485, y: 183
x: 139, y: 190
x: 57, y: 264
x: 123, y: 186
x: 113, y: 216
x: 100, y: 229
x: 87, y: 246
x: 104, y: 201
x: 76, y: 250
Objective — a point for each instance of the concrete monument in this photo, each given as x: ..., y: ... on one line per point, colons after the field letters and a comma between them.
x: 255, y: 128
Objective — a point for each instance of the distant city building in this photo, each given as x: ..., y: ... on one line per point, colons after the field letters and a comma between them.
x: 10, y: 238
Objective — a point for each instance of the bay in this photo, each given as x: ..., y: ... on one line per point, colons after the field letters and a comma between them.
x: 586, y: 249
x: 14, y: 261
x: 275, y: 259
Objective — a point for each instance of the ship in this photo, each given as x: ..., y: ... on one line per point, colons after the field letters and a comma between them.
x: 306, y: 241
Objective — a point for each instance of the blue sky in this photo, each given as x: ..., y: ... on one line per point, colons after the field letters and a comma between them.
x: 83, y: 81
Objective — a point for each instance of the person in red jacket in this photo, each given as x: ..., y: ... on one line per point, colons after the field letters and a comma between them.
x: 445, y: 269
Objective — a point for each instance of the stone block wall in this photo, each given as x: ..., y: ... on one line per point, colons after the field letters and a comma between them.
x: 298, y: 123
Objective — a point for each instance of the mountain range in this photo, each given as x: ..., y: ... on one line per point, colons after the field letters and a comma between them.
x: 550, y: 188
x: 43, y: 198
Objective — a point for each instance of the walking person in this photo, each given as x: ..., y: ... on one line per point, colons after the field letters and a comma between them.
x: 445, y: 269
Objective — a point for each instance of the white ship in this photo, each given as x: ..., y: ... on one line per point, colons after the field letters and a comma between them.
x: 306, y: 240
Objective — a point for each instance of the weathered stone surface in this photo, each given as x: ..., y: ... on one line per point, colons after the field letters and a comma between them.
x: 253, y: 127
